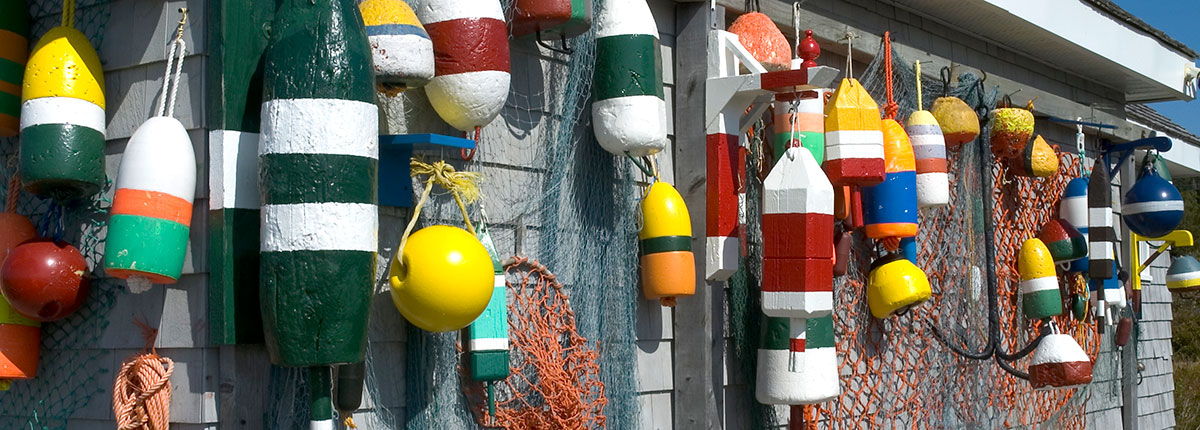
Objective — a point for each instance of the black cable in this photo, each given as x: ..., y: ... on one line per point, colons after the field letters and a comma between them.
x: 1011, y: 370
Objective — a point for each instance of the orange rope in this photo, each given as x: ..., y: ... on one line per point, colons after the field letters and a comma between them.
x: 14, y: 192
x: 891, y: 108
x: 142, y: 390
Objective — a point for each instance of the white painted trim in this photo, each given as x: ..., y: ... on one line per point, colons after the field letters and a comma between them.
x: 620, y: 17
x: 1036, y: 285
x: 796, y: 185
x: 1163, y: 206
x: 62, y: 110
x: 489, y: 344
x: 721, y: 258
x: 850, y: 151
x: 1058, y: 348
x: 1075, y: 211
x: 320, y: 126
x: 320, y: 227
x: 797, y: 304
x: 321, y: 425
x: 233, y: 170
x: 1100, y: 251
x: 1100, y: 217
x: 1179, y: 277
x: 815, y: 377
x: 160, y: 158
x: 431, y: 12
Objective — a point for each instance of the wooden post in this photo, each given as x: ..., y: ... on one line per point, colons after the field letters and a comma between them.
x: 1129, y: 354
x: 695, y: 401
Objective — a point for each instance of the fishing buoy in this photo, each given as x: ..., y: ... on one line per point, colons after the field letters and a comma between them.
x: 1059, y: 362
x: 20, y: 337
x: 929, y: 150
x: 797, y: 364
x: 488, y: 345
x: 1073, y: 208
x: 470, y: 48
x: 318, y: 162
x: 853, y: 137
x: 1010, y: 129
x: 1038, y: 159
x: 443, y: 279
x: 800, y: 118
x: 62, y: 117
x: 1065, y: 243
x: 1184, y: 274
x: 959, y: 123
x: 1102, y: 237
x: 14, y: 50
x: 890, y: 208
x: 668, y: 266
x: 1040, y: 295
x: 45, y: 280
x: 797, y: 225
x: 1153, y: 207
x: 629, y: 113
x: 895, y: 285
x: 759, y: 35
x: 152, y: 207
x: 401, y: 50
x: 554, y: 19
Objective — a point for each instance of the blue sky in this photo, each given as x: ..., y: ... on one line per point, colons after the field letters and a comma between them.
x: 1178, y: 19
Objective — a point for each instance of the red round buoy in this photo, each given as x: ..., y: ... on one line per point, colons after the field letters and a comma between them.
x: 45, y: 280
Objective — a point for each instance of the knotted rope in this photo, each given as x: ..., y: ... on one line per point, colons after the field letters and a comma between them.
x: 142, y: 390
x: 460, y: 184
x: 175, y: 54
x: 891, y: 108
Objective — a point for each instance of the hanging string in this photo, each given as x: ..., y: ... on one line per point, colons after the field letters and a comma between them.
x: 796, y: 27
x: 68, y: 13
x: 849, y: 38
x: 460, y: 184
x: 920, y: 99
x: 175, y: 54
x: 14, y: 192
x: 891, y: 108
x: 468, y: 156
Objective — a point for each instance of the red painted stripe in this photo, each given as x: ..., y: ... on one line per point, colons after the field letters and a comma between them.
x: 797, y: 274
x: 854, y: 171
x: 469, y: 45
x: 797, y: 235
x: 785, y: 80
x: 797, y: 345
x: 932, y: 165
x: 721, y: 199
x: 152, y: 204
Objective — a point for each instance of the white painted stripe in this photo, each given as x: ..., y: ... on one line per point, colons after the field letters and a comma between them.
x: 637, y: 124
x: 1100, y: 217
x: 489, y: 344
x: 405, y: 56
x: 625, y: 17
x: 444, y: 10
x: 1160, y: 206
x: 321, y: 425
x: 1180, y: 277
x: 160, y: 158
x: 845, y: 151
x: 854, y: 137
x: 1100, y: 251
x: 787, y: 378
x: 797, y: 185
x: 789, y: 304
x: 320, y: 227
x: 62, y: 110
x: 721, y: 258
x: 1074, y: 210
x: 233, y: 170
x: 1039, y: 284
x: 500, y: 282
x: 1058, y: 348
x: 320, y: 126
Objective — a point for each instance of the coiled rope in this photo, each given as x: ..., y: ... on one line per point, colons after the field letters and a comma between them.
x: 142, y: 390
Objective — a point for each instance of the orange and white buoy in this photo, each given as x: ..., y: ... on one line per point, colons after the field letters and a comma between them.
x: 470, y: 48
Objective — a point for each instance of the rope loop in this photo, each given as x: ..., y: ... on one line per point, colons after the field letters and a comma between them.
x: 462, y: 185
x: 175, y: 54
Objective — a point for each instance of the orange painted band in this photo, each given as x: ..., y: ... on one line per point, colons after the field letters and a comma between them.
x: 152, y: 204
x: 805, y: 121
x: 932, y: 165
x: 13, y: 47
x: 19, y: 349
x: 668, y: 274
x: 894, y: 229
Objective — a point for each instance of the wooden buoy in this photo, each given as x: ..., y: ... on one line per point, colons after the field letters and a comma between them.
x: 62, y: 117
x: 554, y: 19
x: 401, y: 50
x: 1059, y: 362
x: 759, y: 35
x: 895, y: 285
x: 470, y: 48
x: 853, y: 137
x: 668, y: 265
x: 629, y: 114
x: 1038, y: 159
x: 890, y: 208
x: 318, y: 162
x: 20, y: 337
x: 1073, y: 208
x: 1184, y: 274
x: 14, y: 50
x: 800, y: 120
x: 929, y: 150
x: 1065, y: 243
x: 797, y: 225
x: 797, y: 364
x: 45, y: 280
x: 1040, y: 295
x: 443, y: 279
x: 959, y: 123
x: 487, y: 336
x: 1101, y: 236
x: 1153, y: 207
x: 1011, y: 128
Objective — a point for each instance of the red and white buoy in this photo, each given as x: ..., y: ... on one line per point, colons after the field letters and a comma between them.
x: 470, y: 48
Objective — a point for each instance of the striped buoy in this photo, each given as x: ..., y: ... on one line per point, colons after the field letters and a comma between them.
x: 1073, y: 208
x: 1038, y: 159
x: 1184, y: 274
x: 797, y: 364
x: 853, y: 136
x: 318, y: 163
x: 555, y: 19
x: 470, y: 48
x: 668, y: 265
x: 401, y: 50
x: 629, y: 113
x: 1063, y: 240
x: 797, y: 225
x: 1010, y: 129
x: 1040, y: 296
x: 62, y: 117
x: 800, y: 120
x: 895, y: 285
x: 890, y: 208
x: 929, y: 150
x: 14, y: 50
x: 1153, y: 207
x: 488, y: 335
x: 1059, y: 362
x: 1101, y: 235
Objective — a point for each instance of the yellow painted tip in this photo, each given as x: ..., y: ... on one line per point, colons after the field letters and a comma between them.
x: 64, y: 64
x: 381, y: 12
x: 1177, y: 237
x: 921, y: 117
x: 664, y: 213
x: 1035, y: 260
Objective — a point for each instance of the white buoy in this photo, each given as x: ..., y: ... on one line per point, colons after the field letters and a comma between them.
x: 470, y: 46
x: 629, y: 113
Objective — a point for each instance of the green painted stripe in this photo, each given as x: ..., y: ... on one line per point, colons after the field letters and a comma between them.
x: 145, y: 244
x: 14, y: 16
x: 819, y: 333
x: 814, y: 142
x: 489, y: 366
x: 315, y: 305
x: 62, y: 161
x: 11, y: 71
x: 493, y: 322
x: 237, y: 41
x: 319, y: 49
x: 319, y: 178
x: 320, y: 393
x: 1042, y: 304
x: 777, y: 333
x: 234, y: 313
x: 10, y: 104
x: 628, y: 65
x: 666, y: 244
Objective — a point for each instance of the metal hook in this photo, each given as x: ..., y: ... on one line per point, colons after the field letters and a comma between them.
x: 566, y: 50
x: 182, y: 20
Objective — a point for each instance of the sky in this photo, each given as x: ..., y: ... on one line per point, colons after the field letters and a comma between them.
x: 1178, y: 19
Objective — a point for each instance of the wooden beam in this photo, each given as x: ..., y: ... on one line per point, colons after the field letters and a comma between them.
x: 695, y: 401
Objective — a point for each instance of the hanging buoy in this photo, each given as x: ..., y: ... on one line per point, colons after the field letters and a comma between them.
x: 797, y: 364
x: 1038, y: 160
x: 800, y: 117
x: 14, y: 50
x: 62, y: 117
x: 45, y: 280
x: 1153, y: 207
x: 488, y: 343
x: 959, y: 123
x: 759, y: 35
x: 470, y: 48
x: 841, y: 202
x: 318, y: 161
x: 1040, y: 295
x: 554, y: 19
x: 1102, y: 237
x: 895, y: 285
x: 1063, y: 240
x: 890, y: 208
x: 443, y: 279
x: 668, y: 266
x: 629, y: 113
x: 1011, y: 128
x: 853, y: 137
x: 1059, y: 362
x: 20, y: 337
x: 929, y: 150
x: 1073, y: 208
x: 797, y: 225
x: 1184, y: 274
x: 401, y: 50
x: 841, y: 252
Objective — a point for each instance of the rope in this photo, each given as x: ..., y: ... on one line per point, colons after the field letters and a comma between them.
x: 460, y: 184
x: 891, y: 108
x: 142, y: 390
x: 14, y: 192
x: 917, y: 71
x: 468, y: 156
x: 68, y: 13
x: 166, y: 104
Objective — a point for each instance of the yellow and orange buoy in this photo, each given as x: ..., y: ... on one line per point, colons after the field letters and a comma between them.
x: 1011, y: 129
x: 668, y: 266
x: 959, y: 123
x: 1038, y: 159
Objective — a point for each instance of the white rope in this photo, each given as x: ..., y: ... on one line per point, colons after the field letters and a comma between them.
x: 175, y: 54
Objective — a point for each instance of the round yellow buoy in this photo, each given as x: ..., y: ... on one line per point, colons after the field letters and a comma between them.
x: 443, y: 278
x: 895, y: 284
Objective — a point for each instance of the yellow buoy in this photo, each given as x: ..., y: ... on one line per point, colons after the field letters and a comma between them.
x: 895, y: 285
x: 668, y: 266
x: 443, y: 278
